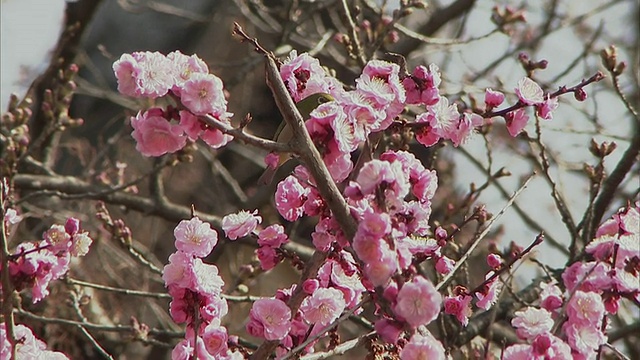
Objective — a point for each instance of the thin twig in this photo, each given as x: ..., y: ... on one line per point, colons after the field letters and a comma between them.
x: 481, y: 236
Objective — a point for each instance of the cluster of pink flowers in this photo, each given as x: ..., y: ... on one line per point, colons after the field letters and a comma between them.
x: 529, y: 94
x: 270, y: 240
x: 27, y: 345
x: 35, y: 264
x: 593, y: 289
x: 196, y: 290
x: 183, y: 78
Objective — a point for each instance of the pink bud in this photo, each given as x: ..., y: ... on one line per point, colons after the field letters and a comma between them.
x: 494, y: 261
x: 580, y: 95
x: 310, y: 286
x: 72, y: 226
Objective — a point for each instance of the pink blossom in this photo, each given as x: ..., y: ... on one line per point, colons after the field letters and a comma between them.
x: 58, y: 238
x: 215, y: 338
x: 268, y: 257
x: 423, y: 347
x: 157, y: 75
x: 493, y: 98
x: 494, y: 261
x: 488, y: 296
x: 584, y: 339
x: 27, y: 345
x: 418, y: 302
x: 303, y: 75
x: 467, y: 122
x: 290, y: 198
x: 216, y: 138
x: 529, y: 92
x: 585, y: 308
x: 550, y: 296
x: 310, y: 286
x: 215, y: 307
x: 203, y: 94
x: 519, y: 352
x: 364, y: 116
x: 274, y: 316
x: 11, y: 216
x: 372, y: 174
x: 442, y: 118
x: 127, y: 71
x: 272, y: 236
x: 532, y: 322
x: 380, y: 270
x: 380, y: 84
x: 195, y: 237
x: 323, y: 306
x: 190, y: 124
x: 182, y: 351
x: 179, y: 270
x: 369, y: 248
x: 516, y: 121
x: 155, y: 136
x: 460, y: 307
x: 388, y: 330
x: 80, y: 243
x: 589, y: 276
x: 185, y: 66
x: 422, y: 86
x: 240, y: 224
x: 545, y: 110
x: 444, y: 265
x: 206, y: 280
x: 338, y: 163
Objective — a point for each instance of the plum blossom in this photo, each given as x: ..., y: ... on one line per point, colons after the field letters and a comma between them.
x: 154, y: 135
x: 273, y: 315
x: 488, y: 296
x: 532, y: 322
x: 516, y: 121
x: 418, y: 302
x: 423, y: 347
x: 290, y: 198
x: 444, y: 265
x: 203, y: 94
x: 27, y: 347
x: 195, y: 237
x: 460, y: 307
x: 585, y: 308
x: 127, y: 71
x: 550, y: 296
x: 493, y: 98
x: 240, y: 224
x: 529, y: 92
x: 545, y: 109
x: 422, y: 86
x: 323, y: 306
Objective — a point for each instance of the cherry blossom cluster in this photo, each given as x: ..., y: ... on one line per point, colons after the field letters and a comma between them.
x: 34, y: 265
x: 195, y: 288
x: 27, y: 345
x: 593, y: 289
x: 187, y: 81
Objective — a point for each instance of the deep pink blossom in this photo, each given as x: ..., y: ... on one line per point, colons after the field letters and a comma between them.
x: 422, y: 86
x: 290, y: 198
x: 494, y: 261
x: 179, y: 270
x: 215, y: 338
x: 155, y: 136
x: 272, y: 236
x: 444, y: 265
x: 550, y: 296
x: 493, y: 98
x: 195, y: 237
x: 418, y: 302
x: 516, y: 121
x: 379, y: 270
x: 460, y: 307
x: 388, y: 330
x: 274, y: 316
x: 268, y: 257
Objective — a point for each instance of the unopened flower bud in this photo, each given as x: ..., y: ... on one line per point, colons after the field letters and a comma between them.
x: 580, y: 95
